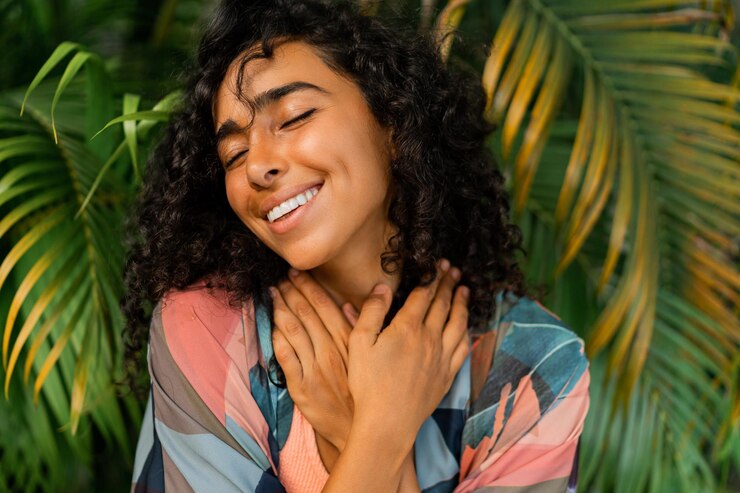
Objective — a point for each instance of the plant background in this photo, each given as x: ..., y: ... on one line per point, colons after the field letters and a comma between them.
x: 619, y: 137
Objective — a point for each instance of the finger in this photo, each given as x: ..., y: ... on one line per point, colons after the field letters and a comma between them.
x: 292, y: 329
x: 286, y: 356
x: 459, y: 354
x: 370, y: 321
x: 442, y: 302
x: 302, y: 309
x: 351, y: 313
x: 457, y: 324
x: 417, y: 303
x: 322, y: 340
x: 331, y: 316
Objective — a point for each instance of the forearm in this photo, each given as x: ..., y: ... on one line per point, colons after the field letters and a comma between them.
x: 369, y: 463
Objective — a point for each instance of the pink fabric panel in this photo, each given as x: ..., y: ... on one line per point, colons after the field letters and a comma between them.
x: 301, y: 469
x: 197, y: 329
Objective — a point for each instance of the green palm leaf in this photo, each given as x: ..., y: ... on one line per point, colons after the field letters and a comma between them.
x: 64, y: 267
x: 63, y: 294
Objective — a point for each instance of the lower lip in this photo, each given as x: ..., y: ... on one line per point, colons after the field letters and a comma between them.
x: 291, y: 220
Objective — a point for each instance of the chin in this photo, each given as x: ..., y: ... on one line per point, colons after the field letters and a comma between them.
x: 303, y: 264
x: 304, y: 260
x: 308, y: 254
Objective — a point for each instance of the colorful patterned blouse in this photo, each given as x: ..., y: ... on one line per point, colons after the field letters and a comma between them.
x: 215, y: 422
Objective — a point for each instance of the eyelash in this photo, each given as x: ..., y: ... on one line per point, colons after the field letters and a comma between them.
x: 300, y: 117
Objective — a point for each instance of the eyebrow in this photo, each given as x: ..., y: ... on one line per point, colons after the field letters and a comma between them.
x: 264, y: 99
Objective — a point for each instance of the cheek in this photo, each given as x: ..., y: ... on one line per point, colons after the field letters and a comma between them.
x: 232, y: 194
x: 237, y: 196
x: 317, y: 145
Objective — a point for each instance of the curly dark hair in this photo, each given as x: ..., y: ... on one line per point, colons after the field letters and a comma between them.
x: 448, y: 195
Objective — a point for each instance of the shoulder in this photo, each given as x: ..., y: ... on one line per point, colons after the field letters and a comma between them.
x: 196, y: 318
x: 525, y: 423
x: 196, y: 333
x: 542, y: 344
x: 198, y: 309
x: 200, y: 351
x: 532, y: 352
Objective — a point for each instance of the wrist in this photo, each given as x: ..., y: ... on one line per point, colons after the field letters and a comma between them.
x: 339, y: 440
x: 377, y: 434
x: 367, y: 461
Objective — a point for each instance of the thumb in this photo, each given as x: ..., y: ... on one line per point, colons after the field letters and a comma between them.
x: 372, y: 314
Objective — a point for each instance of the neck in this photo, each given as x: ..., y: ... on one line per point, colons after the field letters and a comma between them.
x: 352, y: 274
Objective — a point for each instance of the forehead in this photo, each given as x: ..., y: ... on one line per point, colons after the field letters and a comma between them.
x: 291, y: 61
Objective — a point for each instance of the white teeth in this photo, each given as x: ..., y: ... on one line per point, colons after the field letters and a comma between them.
x: 291, y: 204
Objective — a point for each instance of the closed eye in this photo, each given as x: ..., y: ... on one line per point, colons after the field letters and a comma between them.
x: 234, y: 158
x: 300, y: 117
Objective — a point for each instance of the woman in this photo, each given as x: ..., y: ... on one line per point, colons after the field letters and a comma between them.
x: 338, y: 307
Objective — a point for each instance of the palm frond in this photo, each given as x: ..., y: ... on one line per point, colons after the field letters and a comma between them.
x: 447, y: 23
x: 646, y: 186
x: 54, y: 257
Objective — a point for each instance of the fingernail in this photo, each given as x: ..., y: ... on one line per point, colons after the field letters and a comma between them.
x: 273, y: 292
x: 465, y: 292
x: 292, y: 272
x: 444, y: 265
x: 455, y: 273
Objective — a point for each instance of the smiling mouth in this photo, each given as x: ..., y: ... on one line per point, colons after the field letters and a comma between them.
x: 286, y: 208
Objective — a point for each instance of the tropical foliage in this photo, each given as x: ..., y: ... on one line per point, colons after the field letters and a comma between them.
x: 618, y: 133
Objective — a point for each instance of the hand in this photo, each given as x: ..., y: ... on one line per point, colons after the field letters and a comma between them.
x: 398, y: 377
x: 310, y: 343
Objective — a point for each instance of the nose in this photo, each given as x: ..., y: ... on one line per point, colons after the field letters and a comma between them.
x: 264, y: 165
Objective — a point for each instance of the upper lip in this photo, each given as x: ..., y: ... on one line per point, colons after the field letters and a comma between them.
x: 281, y: 196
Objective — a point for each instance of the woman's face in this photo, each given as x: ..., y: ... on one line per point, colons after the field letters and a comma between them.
x: 310, y: 176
